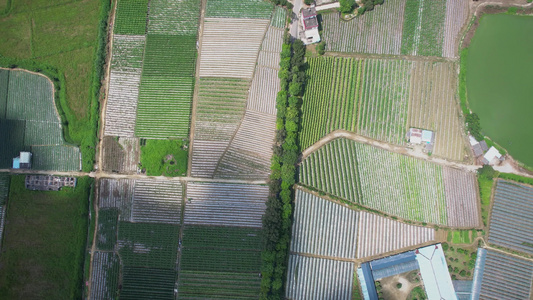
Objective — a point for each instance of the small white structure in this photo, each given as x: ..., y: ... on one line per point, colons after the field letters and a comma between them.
x: 310, y: 26
x: 415, y: 136
x: 427, y: 136
x: 492, y: 157
x: 23, y: 161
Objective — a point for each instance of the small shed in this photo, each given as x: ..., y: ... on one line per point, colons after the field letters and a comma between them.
x: 415, y: 136
x: 492, y: 156
x: 427, y: 136
x: 23, y: 161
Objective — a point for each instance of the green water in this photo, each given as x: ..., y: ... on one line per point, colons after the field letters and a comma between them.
x: 499, y: 82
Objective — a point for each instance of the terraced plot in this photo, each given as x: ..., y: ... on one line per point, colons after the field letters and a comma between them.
x: 157, y: 202
x: 147, y: 284
x: 105, y: 276
x: 433, y: 105
x: 317, y: 278
x: 331, y: 98
x: 225, y: 204
x: 265, y: 86
x: 411, y: 27
x: 378, y: 235
x: 30, y: 122
x: 219, y: 110
x: 230, y: 47
x: 512, y: 212
x: 124, y: 81
x: 252, y: 9
x: 370, y: 176
x: 116, y: 193
x: 505, y: 277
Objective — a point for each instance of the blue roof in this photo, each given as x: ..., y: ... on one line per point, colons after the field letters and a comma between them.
x: 16, y: 163
x: 367, y: 282
x: 478, y: 273
x: 393, y: 260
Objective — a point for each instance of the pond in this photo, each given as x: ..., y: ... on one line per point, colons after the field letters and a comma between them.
x: 499, y: 81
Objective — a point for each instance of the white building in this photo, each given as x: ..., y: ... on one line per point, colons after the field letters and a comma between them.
x: 310, y: 26
x: 492, y: 157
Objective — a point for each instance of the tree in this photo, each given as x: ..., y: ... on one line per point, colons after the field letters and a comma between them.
x: 321, y: 48
x: 308, y: 2
x: 347, y: 6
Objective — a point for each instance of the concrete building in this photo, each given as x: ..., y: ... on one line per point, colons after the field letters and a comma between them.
x: 310, y: 26
x: 23, y: 161
x: 492, y: 157
x: 48, y: 182
x: 415, y: 136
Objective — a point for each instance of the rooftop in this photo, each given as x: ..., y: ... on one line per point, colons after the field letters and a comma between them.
x: 434, y: 272
x: 310, y: 23
x: 308, y: 12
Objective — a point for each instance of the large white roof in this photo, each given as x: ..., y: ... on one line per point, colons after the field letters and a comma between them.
x: 491, y: 154
x: 434, y: 272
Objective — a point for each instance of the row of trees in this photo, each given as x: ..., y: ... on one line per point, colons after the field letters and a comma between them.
x: 348, y: 6
x: 277, y: 220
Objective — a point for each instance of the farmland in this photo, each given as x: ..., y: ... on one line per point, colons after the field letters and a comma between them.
x: 247, y: 9
x: 331, y: 98
x: 408, y: 27
x: 318, y: 278
x: 371, y: 176
x: 120, y: 154
x: 505, y: 38
x: 382, y: 99
x: 104, y: 278
x: 61, y: 41
x: 4, y: 192
x: 130, y: 17
x: 29, y: 111
x: 46, y: 234
x: 324, y: 228
x: 510, y: 220
x: 220, y: 261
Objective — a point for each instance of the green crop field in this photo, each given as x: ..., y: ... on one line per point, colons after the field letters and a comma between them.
x: 330, y: 100
x: 220, y: 261
x: 147, y: 283
x: 148, y: 244
x: 4, y: 187
x: 131, y: 17
x: 30, y: 122
x: 423, y: 30
x: 155, y: 157
x: 60, y: 36
x: 106, y: 237
x: 279, y: 18
x: 248, y: 9
x: 499, y: 91
x: 44, y: 242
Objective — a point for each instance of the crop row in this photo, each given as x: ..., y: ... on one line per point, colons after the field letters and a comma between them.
x: 121, y: 106
x: 372, y: 177
x: 225, y: 204
x: 168, y: 17
x: 411, y: 27
x: 219, y: 110
x: 248, y: 155
x: 56, y: 157
x: 212, y: 285
x: 120, y: 155
x: 321, y: 227
x: 238, y: 238
x: 147, y: 283
x: 378, y: 235
x: 433, y: 106
x: 104, y: 276
x: 128, y: 51
x: 318, y: 278
x: 11, y: 141
x: 39, y: 133
x: 265, y: 86
x: 330, y: 100
x: 377, y: 32
x: 4, y: 187
x: 148, y: 244
x: 106, y: 237
x: 220, y: 260
x: 279, y: 17
x: 2, y: 222
x: 116, y: 193
x: 384, y: 100
x: 512, y: 212
x: 131, y: 17
x: 230, y: 47
x: 249, y: 9
x: 505, y: 277
x: 4, y: 87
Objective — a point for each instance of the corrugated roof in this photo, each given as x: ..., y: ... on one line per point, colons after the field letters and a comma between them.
x: 16, y: 163
x: 367, y: 282
x: 434, y: 272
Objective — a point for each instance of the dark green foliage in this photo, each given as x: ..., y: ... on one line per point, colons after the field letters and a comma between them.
x: 369, y: 5
x: 321, y: 48
x: 347, y: 6
x: 487, y: 172
x: 473, y: 125
x: 147, y: 283
x: 131, y: 17
x: 44, y: 242
x: 107, y: 229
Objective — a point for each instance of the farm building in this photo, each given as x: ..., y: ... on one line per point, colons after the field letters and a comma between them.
x: 418, y: 136
x: 310, y: 26
x: 434, y: 272
x: 479, y: 148
x: 23, y: 161
x: 48, y: 182
x: 492, y: 157
x: 430, y: 262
